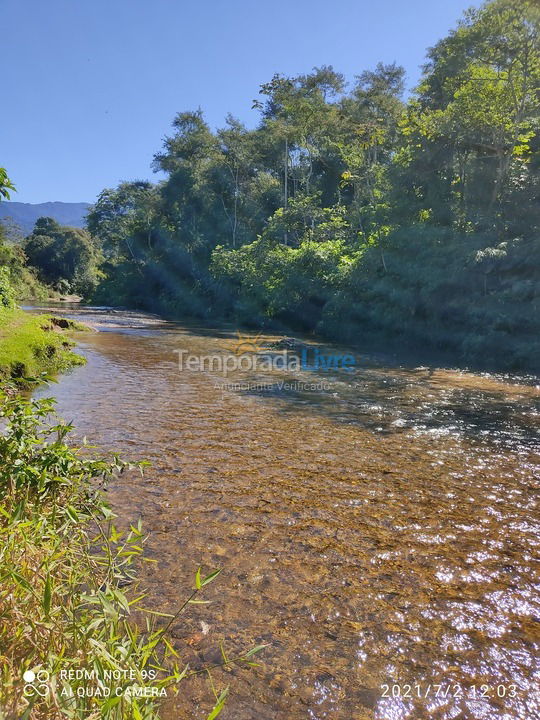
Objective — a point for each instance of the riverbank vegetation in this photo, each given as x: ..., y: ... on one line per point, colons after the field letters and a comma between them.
x: 60, y: 602
x: 33, y: 345
x: 53, y: 261
x: 67, y: 586
x: 350, y: 211
x: 17, y: 278
x: 64, y: 258
x: 68, y: 644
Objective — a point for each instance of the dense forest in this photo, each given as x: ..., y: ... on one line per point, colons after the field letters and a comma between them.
x: 376, y: 528
x: 349, y: 211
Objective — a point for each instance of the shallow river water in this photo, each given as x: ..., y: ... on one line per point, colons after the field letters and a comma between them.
x: 377, y: 527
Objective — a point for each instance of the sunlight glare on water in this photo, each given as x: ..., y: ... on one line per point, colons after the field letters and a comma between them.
x: 380, y: 532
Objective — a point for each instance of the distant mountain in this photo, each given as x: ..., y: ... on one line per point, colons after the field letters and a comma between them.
x: 25, y: 214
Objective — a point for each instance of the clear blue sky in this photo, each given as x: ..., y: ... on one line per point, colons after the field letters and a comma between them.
x: 89, y: 87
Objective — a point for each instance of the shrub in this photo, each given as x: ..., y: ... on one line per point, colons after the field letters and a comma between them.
x: 67, y: 583
x: 7, y: 294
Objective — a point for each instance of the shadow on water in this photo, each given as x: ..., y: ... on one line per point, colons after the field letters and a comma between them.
x: 382, y: 529
x: 401, y: 399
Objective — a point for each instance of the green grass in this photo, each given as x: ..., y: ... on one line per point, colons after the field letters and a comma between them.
x: 31, y: 345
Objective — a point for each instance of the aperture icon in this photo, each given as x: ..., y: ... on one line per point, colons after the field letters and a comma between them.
x: 36, y: 683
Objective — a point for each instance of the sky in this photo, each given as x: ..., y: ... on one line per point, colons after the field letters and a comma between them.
x: 89, y: 88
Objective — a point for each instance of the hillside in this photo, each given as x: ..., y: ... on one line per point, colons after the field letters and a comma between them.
x: 25, y: 214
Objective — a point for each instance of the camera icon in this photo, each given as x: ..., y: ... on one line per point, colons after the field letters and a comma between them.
x: 36, y: 683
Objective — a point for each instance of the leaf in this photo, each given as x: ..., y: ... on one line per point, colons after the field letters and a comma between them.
x: 21, y: 581
x: 108, y: 608
x: 72, y: 513
x: 47, y: 595
x: 109, y: 704
x: 107, y: 512
x: 155, y: 612
x: 212, y: 576
x: 136, y: 712
x: 18, y: 511
x: 170, y: 647
x: 198, y: 579
x: 223, y: 655
x: 218, y: 707
x: 119, y: 595
x: 256, y: 649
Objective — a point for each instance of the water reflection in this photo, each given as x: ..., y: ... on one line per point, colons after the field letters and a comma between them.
x: 382, y: 531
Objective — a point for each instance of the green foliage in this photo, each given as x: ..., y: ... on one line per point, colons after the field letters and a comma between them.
x: 7, y: 293
x: 479, y: 302
x: 290, y: 284
x: 16, y: 280
x: 305, y: 220
x: 471, y: 134
x: 5, y: 184
x: 68, y: 587
x: 63, y: 257
x: 426, y: 213
x: 31, y: 345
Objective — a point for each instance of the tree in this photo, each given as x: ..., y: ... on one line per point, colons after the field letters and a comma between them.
x: 5, y: 184
x: 125, y: 218
x: 372, y: 114
x: 64, y: 257
x: 470, y: 133
x: 237, y: 161
x: 297, y: 117
x: 348, y: 210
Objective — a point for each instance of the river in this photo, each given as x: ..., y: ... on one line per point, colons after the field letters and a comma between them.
x: 376, y: 526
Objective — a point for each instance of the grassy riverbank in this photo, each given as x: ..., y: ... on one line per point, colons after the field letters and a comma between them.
x: 34, y: 344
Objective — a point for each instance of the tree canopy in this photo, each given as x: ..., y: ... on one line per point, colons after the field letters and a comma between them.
x: 64, y: 257
x: 348, y: 210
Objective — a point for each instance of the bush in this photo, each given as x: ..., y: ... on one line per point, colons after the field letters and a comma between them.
x: 7, y: 294
x: 67, y: 582
x: 289, y: 284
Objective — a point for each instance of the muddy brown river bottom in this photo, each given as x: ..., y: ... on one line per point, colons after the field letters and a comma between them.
x: 377, y: 528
